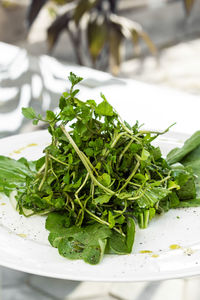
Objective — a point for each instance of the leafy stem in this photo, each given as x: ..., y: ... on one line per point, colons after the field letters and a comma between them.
x: 45, y: 172
x: 81, y: 156
x: 130, y: 176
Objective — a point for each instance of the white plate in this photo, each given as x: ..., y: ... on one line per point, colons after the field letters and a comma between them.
x: 24, y: 244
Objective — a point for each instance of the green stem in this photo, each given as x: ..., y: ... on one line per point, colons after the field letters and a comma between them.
x: 82, y: 185
x: 146, y: 218
x: 155, y: 132
x: 41, y: 169
x: 70, y: 200
x: 116, y: 139
x: 84, y: 161
x: 59, y: 161
x: 124, y: 151
x: 103, y: 222
x: 131, y: 176
x: 161, y: 181
x: 137, y: 197
x: 45, y: 172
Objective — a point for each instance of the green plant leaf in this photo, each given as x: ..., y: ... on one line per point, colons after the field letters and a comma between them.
x: 111, y: 220
x: 104, y: 109
x: 102, y: 199
x: 189, y: 203
x: 177, y: 154
x: 87, y: 243
x: 105, y: 179
x: 14, y: 174
x: 56, y: 222
x: 152, y: 196
x: 50, y: 116
x: 82, y: 7
x: 74, y: 79
x: 29, y: 113
x: 97, y: 36
x: 145, y: 154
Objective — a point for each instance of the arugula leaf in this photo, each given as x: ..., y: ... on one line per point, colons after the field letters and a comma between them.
x: 152, y: 196
x: 174, y: 200
x: 189, y: 157
x: 177, y: 154
x: 14, y: 174
x: 189, y: 203
x: 185, y: 179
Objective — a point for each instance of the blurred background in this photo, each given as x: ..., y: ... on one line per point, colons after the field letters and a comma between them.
x: 119, y: 36
x: 152, y: 41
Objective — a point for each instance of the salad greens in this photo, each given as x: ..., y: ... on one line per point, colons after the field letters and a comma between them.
x: 98, y: 176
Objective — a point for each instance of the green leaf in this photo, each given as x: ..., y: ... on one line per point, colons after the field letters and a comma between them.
x: 111, y: 219
x: 188, y: 190
x: 173, y: 200
x: 57, y: 221
x: 120, y: 244
x: 14, y: 173
x: 74, y: 79
x: 104, y: 109
x: 173, y: 185
x: 152, y: 196
x: 50, y: 116
x: 89, y: 152
x: 117, y: 244
x: 177, y: 154
x: 29, y: 113
x: 189, y: 203
x: 145, y: 154
x: 82, y: 7
x: 72, y: 187
x: 97, y: 35
x: 35, y: 122
x: 102, y: 199
x: 186, y: 181
x: 105, y: 179
x: 54, y: 238
x: 87, y: 243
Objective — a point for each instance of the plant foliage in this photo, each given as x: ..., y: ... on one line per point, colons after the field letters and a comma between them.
x: 105, y: 30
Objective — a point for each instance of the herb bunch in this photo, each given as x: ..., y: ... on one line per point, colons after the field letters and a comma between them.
x: 96, y: 178
x: 100, y: 169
